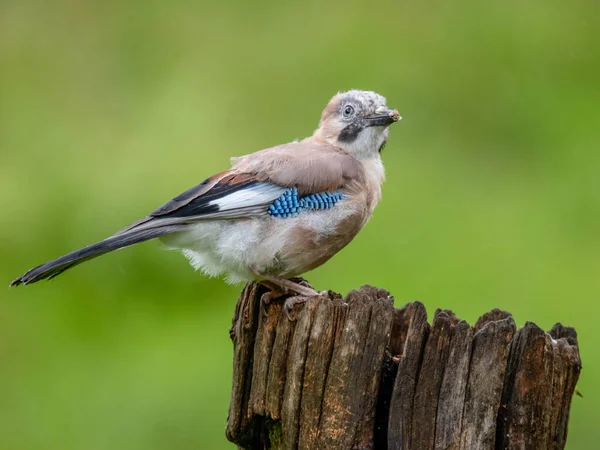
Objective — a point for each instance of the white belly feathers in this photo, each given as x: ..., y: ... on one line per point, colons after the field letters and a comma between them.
x: 231, y: 248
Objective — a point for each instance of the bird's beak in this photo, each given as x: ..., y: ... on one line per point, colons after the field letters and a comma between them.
x: 383, y: 118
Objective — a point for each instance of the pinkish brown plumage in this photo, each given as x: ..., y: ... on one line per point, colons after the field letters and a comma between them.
x: 310, y: 165
x: 276, y: 213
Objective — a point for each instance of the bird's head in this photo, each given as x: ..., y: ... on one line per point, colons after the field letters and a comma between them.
x: 357, y: 122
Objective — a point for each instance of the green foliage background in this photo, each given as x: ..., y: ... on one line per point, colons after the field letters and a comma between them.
x: 109, y: 108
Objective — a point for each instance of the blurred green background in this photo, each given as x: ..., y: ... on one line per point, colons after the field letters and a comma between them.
x: 110, y: 108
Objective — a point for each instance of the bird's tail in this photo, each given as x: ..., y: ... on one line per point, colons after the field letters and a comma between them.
x: 57, y: 266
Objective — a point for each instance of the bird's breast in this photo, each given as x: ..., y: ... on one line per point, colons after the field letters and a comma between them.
x: 311, y: 238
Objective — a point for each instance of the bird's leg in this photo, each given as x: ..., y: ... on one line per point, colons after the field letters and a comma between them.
x: 291, y: 302
x: 291, y: 285
x: 275, y: 282
x: 275, y: 292
x: 303, y: 290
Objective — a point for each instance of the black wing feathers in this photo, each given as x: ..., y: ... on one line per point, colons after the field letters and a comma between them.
x: 200, y: 204
x: 169, y: 218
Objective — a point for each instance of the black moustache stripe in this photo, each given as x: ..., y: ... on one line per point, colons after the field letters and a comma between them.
x: 350, y: 133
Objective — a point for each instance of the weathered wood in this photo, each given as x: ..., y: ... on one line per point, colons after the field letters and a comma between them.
x: 318, y: 358
x: 567, y: 366
x: 243, y: 335
x: 484, y: 387
x: 263, y: 346
x: 371, y: 367
x: 276, y: 377
x: 409, y: 365
x: 454, y: 386
x: 355, y: 373
x: 430, y: 380
x: 535, y: 401
x: 357, y: 357
x: 290, y: 409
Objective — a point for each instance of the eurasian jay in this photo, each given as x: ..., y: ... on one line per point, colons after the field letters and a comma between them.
x: 276, y: 213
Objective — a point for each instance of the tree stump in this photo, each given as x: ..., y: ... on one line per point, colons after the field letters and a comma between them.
x: 357, y: 373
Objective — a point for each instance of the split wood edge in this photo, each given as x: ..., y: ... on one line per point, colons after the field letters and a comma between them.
x: 359, y: 373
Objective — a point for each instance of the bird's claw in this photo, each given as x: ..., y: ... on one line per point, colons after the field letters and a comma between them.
x: 291, y: 302
x: 266, y: 300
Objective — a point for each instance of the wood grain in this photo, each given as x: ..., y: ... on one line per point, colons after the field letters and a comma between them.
x: 357, y: 373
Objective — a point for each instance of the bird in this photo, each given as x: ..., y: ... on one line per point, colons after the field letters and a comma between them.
x: 276, y: 213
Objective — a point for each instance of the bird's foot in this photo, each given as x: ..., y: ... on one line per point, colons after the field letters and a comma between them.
x: 291, y: 302
x: 273, y: 294
x: 280, y: 286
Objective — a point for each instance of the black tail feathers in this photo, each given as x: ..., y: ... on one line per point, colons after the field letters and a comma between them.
x: 57, y: 266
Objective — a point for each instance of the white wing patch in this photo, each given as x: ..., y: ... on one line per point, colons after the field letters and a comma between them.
x: 260, y: 194
x: 249, y: 201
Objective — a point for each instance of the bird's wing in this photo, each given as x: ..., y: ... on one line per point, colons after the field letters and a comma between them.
x: 307, y: 165
x: 255, y: 182
x: 227, y: 195
x: 255, y: 185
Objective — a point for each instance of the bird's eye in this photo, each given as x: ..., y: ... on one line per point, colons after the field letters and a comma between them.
x: 348, y: 111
